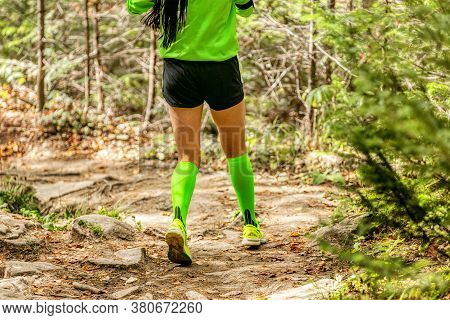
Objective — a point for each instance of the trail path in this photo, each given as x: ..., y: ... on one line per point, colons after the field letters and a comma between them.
x: 222, y: 268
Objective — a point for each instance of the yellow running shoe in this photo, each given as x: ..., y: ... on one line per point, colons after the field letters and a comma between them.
x: 252, y: 236
x: 177, y: 241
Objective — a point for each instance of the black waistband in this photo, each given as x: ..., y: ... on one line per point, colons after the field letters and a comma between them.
x: 193, y: 62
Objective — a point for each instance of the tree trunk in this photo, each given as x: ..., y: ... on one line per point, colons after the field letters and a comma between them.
x: 350, y: 5
x: 328, y: 67
x: 312, y: 75
x: 98, y: 61
x: 151, y: 77
x: 41, y: 47
x: 87, y: 68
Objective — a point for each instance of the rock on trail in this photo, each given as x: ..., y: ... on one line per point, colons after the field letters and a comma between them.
x: 341, y: 233
x: 15, y: 289
x: 18, y: 268
x: 15, y: 231
x: 125, y: 292
x: 318, y: 290
x: 123, y: 258
x: 194, y: 295
x: 109, y: 227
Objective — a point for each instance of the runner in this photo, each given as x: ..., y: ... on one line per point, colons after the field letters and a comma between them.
x: 198, y: 43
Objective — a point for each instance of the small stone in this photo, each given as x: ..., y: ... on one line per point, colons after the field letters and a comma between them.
x: 85, y: 287
x: 131, y: 280
x: 17, y: 268
x: 125, y: 292
x: 194, y: 295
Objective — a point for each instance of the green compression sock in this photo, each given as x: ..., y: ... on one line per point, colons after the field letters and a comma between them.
x: 241, y: 174
x: 183, y: 183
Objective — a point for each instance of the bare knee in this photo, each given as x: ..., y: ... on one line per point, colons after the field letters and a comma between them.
x: 232, y: 140
x: 188, y: 144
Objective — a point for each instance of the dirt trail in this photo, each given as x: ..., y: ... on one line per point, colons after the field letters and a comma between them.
x: 222, y: 268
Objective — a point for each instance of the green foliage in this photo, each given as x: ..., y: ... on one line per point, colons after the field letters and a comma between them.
x: 276, y: 145
x: 335, y: 178
x: 15, y: 196
x: 390, y: 278
x: 392, y: 112
x: 110, y: 212
x: 320, y: 96
x: 366, y: 285
x: 123, y: 47
x: 48, y: 222
x: 395, y: 113
x: 94, y: 228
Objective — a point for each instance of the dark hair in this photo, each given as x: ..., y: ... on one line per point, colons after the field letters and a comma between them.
x: 168, y: 16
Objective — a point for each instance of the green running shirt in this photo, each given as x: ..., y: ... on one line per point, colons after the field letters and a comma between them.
x: 210, y: 31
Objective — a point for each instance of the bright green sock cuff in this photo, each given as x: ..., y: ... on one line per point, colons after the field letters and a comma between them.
x: 241, y: 175
x: 183, y: 184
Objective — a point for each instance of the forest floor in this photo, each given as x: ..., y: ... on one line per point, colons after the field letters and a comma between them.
x: 221, y: 269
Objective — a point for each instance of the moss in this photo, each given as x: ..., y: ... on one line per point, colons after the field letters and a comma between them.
x: 96, y: 229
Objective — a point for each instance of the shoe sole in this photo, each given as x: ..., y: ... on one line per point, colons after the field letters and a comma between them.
x: 176, y: 254
x: 253, y: 242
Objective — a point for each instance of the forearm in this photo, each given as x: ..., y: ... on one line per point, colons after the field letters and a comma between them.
x: 139, y: 6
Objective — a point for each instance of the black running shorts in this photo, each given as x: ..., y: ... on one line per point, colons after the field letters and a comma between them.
x: 188, y: 84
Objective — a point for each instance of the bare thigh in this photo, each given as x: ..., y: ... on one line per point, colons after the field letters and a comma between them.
x: 186, y: 123
x: 231, y: 126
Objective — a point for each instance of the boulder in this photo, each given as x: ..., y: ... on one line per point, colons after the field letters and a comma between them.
x: 317, y: 290
x: 86, y: 226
